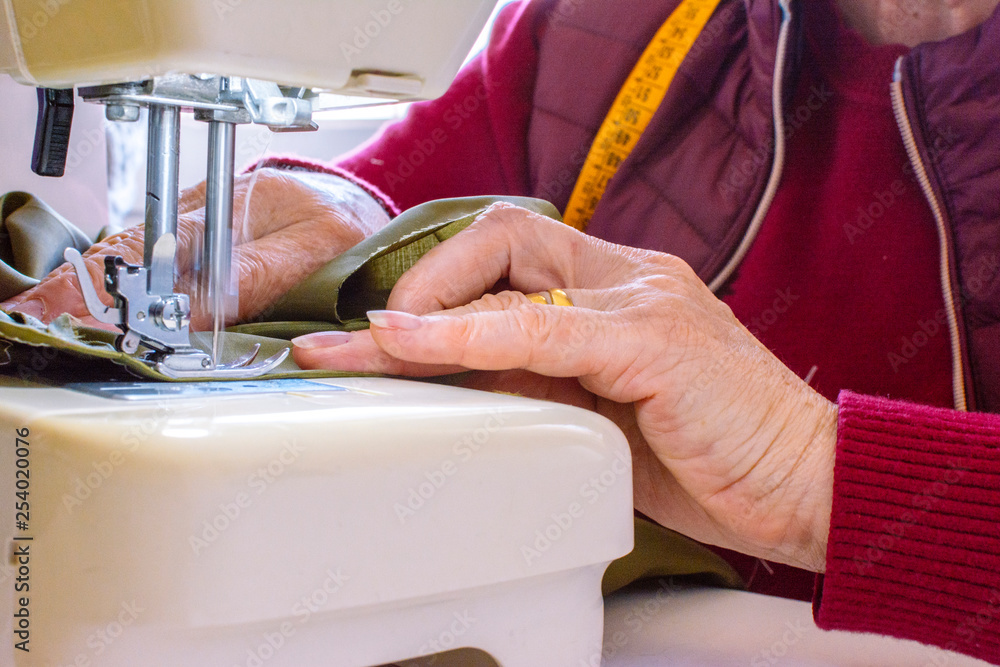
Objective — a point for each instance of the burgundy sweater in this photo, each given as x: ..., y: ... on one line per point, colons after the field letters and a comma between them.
x: 914, y: 547
x: 847, y: 215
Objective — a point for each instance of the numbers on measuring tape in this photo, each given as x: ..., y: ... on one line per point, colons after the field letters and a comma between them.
x: 633, y: 108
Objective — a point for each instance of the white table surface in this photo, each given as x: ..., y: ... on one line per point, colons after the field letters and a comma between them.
x: 664, y: 626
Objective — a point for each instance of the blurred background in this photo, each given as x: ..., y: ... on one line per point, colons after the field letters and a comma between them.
x: 105, y: 170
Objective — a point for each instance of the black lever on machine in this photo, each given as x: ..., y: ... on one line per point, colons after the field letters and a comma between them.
x: 55, y: 117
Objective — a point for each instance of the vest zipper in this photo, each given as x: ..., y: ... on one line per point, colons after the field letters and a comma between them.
x: 906, y: 130
x: 777, y: 92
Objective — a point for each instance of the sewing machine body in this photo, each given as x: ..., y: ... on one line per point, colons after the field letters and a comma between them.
x: 229, y: 62
x: 349, y: 522
x: 327, y: 44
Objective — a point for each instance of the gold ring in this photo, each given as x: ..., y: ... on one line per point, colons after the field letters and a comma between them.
x: 552, y: 297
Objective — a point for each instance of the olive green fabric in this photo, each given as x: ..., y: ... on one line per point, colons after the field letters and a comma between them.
x: 32, y: 240
x: 361, y: 278
x: 335, y: 297
x: 66, y: 334
x: 661, y: 552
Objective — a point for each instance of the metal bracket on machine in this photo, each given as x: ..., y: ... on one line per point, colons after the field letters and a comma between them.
x: 146, y: 308
x: 158, y: 321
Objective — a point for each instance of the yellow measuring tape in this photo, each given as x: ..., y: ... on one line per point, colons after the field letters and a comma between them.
x: 635, y: 105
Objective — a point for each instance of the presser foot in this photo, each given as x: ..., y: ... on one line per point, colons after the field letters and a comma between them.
x: 160, y: 323
x: 191, y: 365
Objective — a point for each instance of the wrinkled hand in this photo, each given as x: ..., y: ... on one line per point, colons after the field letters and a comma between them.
x: 296, y: 222
x: 728, y: 445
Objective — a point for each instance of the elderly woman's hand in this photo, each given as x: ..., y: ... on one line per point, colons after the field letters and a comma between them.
x: 729, y: 446
x: 296, y: 222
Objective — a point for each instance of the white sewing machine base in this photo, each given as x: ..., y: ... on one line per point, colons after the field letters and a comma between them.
x: 342, y: 523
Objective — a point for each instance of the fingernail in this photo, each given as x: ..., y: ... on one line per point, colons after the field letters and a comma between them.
x: 33, y: 307
x: 322, y: 339
x: 394, y: 319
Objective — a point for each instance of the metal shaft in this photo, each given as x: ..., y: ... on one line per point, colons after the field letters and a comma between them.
x: 219, y: 222
x: 162, y: 185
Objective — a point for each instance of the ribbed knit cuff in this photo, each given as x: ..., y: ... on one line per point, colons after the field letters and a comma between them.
x: 914, y: 548
x: 299, y: 164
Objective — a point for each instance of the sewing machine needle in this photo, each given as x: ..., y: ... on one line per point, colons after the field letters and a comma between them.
x: 219, y: 224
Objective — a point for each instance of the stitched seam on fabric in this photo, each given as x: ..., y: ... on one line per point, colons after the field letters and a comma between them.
x: 568, y: 121
x: 733, y: 129
x: 615, y: 40
x: 660, y: 196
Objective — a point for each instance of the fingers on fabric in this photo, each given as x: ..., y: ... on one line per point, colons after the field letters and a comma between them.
x: 499, y: 332
x: 532, y: 251
x: 357, y: 352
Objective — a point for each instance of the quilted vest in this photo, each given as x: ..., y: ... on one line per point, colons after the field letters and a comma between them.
x: 700, y: 180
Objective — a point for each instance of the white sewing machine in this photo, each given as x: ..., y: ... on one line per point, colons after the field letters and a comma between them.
x: 252, y: 523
